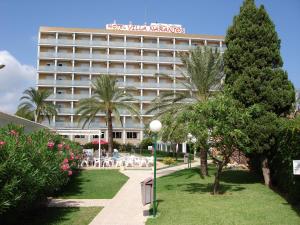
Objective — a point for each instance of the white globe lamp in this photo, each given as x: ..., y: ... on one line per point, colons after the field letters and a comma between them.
x: 155, y: 126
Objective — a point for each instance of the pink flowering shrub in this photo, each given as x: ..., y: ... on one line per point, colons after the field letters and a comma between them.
x: 33, y: 166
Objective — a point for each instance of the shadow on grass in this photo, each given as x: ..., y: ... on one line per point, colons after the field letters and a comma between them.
x: 240, y: 177
x: 41, y: 216
x: 74, y: 187
x: 150, y: 212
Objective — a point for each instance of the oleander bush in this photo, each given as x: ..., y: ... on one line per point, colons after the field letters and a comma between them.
x: 33, y: 166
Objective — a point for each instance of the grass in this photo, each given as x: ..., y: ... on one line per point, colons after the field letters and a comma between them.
x: 94, y: 184
x: 184, y: 198
x: 57, y: 216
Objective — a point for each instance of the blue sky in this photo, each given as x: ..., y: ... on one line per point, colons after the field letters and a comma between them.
x: 20, y: 21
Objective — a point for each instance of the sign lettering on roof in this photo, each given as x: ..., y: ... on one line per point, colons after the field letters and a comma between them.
x: 154, y: 27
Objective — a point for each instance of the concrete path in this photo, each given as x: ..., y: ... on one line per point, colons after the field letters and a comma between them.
x: 77, y: 202
x: 126, y: 207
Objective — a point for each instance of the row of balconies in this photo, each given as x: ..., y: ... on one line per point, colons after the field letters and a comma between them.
x: 87, y: 83
x: 87, y: 56
x: 98, y: 43
x: 72, y: 111
x: 85, y: 69
x: 92, y: 125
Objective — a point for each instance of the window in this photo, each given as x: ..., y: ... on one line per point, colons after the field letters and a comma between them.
x: 48, y: 64
x: 79, y: 136
x: 60, y: 64
x: 97, y: 136
x: 117, y: 134
x: 132, y: 135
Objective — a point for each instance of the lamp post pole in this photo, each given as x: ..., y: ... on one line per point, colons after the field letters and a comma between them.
x: 155, y: 127
x: 154, y: 177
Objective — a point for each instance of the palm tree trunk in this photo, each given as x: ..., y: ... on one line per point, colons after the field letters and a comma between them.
x: 203, y: 162
x: 110, y: 132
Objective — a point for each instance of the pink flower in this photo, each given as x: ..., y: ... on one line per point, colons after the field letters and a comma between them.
x: 65, y: 167
x: 13, y: 132
x: 60, y: 146
x: 72, y: 156
x: 2, y: 143
x: 70, y: 173
x: 50, y: 144
x: 65, y: 161
x: 67, y: 147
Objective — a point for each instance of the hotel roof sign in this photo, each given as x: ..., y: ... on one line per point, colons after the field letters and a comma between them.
x: 153, y: 27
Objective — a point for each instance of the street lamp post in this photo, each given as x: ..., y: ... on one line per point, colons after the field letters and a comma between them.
x: 155, y: 127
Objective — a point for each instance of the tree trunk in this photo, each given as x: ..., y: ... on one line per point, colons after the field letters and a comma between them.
x: 203, y: 162
x: 176, y: 151
x: 266, y: 171
x: 110, y: 132
x: 217, y: 179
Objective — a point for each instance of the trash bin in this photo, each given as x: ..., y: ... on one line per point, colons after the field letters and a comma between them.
x: 147, y: 191
x: 186, y: 158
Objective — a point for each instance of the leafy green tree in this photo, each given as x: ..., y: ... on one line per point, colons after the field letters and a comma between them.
x: 173, y: 130
x: 252, y: 61
x: 34, y: 101
x: 107, y: 98
x: 202, y: 77
x: 222, y: 119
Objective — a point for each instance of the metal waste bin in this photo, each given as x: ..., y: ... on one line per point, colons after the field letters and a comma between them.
x: 186, y: 158
x: 147, y: 190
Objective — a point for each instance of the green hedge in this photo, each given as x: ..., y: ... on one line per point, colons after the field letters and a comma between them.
x: 281, y: 163
x: 32, y: 167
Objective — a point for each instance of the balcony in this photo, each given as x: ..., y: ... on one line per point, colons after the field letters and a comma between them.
x: 65, y: 110
x: 116, y: 57
x: 65, y: 41
x: 64, y: 68
x: 82, y: 56
x: 82, y: 69
x: 60, y: 124
x: 166, y: 46
x: 150, y: 58
x: 133, y: 71
x: 116, y: 43
x: 47, y: 55
x: 99, y: 56
x: 98, y: 70
x: 134, y: 44
x: 99, y: 43
x: 166, y: 71
x: 134, y: 125
x: 115, y: 70
x: 133, y: 57
x: 150, y: 71
x: 83, y: 42
x: 182, y: 46
x: 47, y: 68
x: 149, y: 45
x: 65, y: 55
x: 166, y: 59
x: 49, y: 41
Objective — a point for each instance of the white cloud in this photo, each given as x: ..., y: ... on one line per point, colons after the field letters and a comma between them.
x: 14, y: 79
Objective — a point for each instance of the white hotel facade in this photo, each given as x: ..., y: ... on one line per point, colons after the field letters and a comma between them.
x: 70, y: 58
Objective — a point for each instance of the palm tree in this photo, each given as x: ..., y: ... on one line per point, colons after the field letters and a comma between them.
x: 25, y: 113
x: 107, y: 98
x: 202, y: 77
x: 35, y: 101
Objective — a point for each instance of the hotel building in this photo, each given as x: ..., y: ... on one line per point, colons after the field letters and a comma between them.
x: 70, y: 58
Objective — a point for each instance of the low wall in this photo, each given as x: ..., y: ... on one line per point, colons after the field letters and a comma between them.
x: 28, y: 125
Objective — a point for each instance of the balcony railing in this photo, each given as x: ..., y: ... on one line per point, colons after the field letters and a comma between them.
x: 82, y: 42
x: 98, y: 43
x: 166, y: 46
x: 133, y: 71
x: 82, y: 56
x: 64, y: 55
x: 133, y: 44
x: 182, y: 46
x: 50, y: 41
x: 47, y: 55
x: 150, y: 45
x: 116, y: 43
x: 115, y: 70
x: 116, y: 57
x: 150, y: 71
x: 133, y: 57
x: 166, y: 59
x: 65, y: 41
x: 150, y: 58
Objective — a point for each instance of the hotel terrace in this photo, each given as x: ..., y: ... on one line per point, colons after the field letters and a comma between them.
x: 70, y: 58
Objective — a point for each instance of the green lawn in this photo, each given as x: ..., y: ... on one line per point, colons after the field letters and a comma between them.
x: 94, y: 184
x: 57, y: 216
x: 184, y: 198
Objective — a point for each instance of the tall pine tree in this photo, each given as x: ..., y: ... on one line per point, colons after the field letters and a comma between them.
x: 253, y: 65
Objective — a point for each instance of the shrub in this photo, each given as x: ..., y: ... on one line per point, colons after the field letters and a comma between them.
x: 281, y: 163
x: 33, y: 166
x: 168, y: 161
x: 90, y: 145
x: 145, y: 143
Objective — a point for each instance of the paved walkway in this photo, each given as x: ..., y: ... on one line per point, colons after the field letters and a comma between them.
x: 126, y: 207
